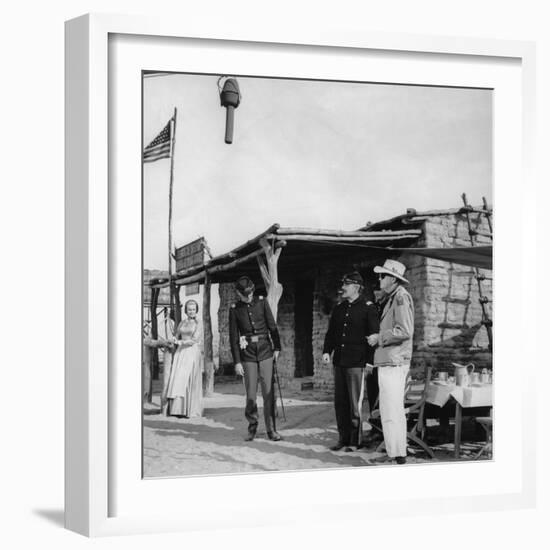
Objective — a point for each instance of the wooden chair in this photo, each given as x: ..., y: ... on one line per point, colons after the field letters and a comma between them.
x: 487, y: 424
x: 415, y: 402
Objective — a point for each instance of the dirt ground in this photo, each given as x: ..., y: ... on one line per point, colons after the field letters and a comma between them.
x: 214, y: 443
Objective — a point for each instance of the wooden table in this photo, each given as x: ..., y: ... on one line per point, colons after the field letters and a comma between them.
x: 465, y: 398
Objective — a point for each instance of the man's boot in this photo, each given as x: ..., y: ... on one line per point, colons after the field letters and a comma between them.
x: 274, y: 436
x: 251, y: 434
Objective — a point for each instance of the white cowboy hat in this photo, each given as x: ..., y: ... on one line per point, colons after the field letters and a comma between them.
x: 394, y: 268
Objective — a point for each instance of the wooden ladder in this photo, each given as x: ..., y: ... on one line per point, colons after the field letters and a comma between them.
x: 480, y: 277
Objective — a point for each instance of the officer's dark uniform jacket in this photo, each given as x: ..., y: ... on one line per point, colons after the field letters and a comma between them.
x: 349, y: 326
x: 255, y: 322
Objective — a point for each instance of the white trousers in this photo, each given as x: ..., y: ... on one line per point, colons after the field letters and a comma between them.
x: 392, y: 410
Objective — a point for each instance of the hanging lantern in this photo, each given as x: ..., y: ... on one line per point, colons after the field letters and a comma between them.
x: 230, y: 97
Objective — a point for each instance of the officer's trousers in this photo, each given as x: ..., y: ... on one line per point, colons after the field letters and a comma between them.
x: 391, y: 380
x: 348, y: 398
x: 262, y: 370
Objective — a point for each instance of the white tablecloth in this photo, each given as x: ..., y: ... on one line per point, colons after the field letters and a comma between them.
x: 471, y: 396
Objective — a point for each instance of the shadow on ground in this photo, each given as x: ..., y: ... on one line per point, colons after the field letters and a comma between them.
x: 214, y: 443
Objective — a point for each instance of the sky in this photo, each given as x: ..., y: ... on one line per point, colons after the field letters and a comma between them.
x: 318, y: 154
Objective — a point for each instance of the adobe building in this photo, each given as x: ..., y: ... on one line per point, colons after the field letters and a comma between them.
x: 448, y: 255
x: 448, y: 313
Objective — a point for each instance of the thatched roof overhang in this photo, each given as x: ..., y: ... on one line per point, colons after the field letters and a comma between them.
x: 304, y: 249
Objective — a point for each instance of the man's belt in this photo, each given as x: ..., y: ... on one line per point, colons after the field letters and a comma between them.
x: 253, y: 338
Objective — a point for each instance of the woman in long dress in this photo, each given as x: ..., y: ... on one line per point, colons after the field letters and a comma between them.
x: 184, y: 391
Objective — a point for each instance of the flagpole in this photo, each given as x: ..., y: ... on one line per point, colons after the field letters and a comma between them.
x: 172, y: 153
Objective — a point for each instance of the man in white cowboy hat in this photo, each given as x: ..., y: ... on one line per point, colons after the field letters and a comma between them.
x: 392, y: 356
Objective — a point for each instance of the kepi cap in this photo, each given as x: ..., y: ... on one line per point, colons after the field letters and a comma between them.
x: 244, y: 285
x: 352, y: 278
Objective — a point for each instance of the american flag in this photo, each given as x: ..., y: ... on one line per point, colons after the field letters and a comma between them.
x: 159, y: 148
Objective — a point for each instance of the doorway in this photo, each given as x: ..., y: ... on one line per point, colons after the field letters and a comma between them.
x: 303, y: 319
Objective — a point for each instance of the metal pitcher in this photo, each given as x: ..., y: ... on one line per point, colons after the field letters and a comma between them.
x: 475, y: 378
x: 462, y: 374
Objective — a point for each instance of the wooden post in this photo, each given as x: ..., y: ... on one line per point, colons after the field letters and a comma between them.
x: 146, y: 370
x: 458, y: 428
x: 270, y: 275
x: 177, y: 313
x: 208, y: 388
x: 154, y: 333
x: 485, y: 320
x: 170, y: 194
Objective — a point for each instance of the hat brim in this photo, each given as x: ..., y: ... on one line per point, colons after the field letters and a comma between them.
x: 380, y: 269
x: 350, y: 282
x: 246, y: 291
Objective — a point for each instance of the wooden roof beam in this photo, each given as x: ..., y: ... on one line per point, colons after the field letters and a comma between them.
x: 411, y: 234
x: 225, y: 267
x: 340, y: 233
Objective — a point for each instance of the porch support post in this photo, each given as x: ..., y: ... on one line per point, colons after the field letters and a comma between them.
x: 177, y: 313
x: 270, y: 276
x: 154, y: 333
x: 208, y: 339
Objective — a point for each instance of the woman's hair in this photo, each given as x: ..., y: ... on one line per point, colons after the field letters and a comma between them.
x: 190, y: 302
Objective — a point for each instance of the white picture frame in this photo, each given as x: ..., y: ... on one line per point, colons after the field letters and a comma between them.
x: 99, y: 499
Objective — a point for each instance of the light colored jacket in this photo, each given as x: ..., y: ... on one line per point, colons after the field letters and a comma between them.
x: 396, y: 330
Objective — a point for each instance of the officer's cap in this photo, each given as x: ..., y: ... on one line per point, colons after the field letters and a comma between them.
x: 353, y: 278
x: 244, y: 285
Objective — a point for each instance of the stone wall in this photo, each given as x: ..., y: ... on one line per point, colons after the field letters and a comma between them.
x: 449, y: 314
x: 285, y: 323
x: 228, y: 296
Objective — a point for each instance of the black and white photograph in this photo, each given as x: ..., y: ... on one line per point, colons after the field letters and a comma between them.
x: 317, y: 274
x: 249, y: 274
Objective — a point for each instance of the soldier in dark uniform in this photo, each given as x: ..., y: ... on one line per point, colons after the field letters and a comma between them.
x: 351, y: 322
x: 255, y: 345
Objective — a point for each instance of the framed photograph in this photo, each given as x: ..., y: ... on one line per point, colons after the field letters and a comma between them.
x: 289, y: 263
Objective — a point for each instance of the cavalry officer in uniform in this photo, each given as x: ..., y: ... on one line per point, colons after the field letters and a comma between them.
x: 255, y: 345
x: 351, y: 323
x: 392, y: 357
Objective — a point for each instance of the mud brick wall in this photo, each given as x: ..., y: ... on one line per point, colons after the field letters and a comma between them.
x: 228, y: 296
x: 285, y: 321
x: 448, y: 326
x: 324, y: 299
